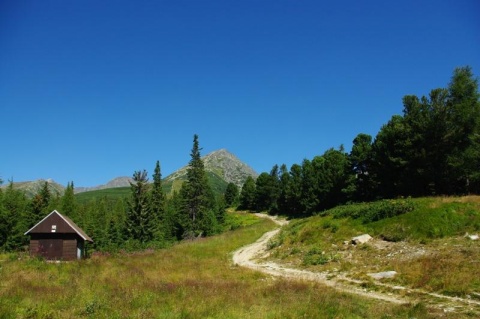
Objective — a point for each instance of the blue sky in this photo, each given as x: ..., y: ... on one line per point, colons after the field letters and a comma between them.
x: 92, y: 90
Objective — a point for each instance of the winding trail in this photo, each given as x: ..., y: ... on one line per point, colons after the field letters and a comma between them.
x: 249, y: 256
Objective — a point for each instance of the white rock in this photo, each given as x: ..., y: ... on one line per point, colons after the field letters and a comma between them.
x: 383, y: 274
x: 473, y: 237
x: 361, y: 239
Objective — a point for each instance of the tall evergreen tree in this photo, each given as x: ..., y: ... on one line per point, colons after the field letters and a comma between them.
x: 13, y: 219
x: 464, y: 158
x: 361, y: 182
x: 231, y: 194
x: 267, y: 191
x: 390, y: 163
x: 309, y: 199
x: 199, y: 209
x: 68, y: 203
x: 40, y: 205
x: 263, y: 192
x: 157, y: 204
x: 247, y: 194
x: 140, y: 222
x: 284, y: 185
x: 175, y: 212
x: 294, y: 191
x: 435, y: 147
x: 334, y: 175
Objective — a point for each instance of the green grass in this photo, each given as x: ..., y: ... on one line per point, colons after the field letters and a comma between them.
x: 194, y: 279
x: 425, y: 243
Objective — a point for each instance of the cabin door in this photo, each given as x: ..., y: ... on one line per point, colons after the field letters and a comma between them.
x: 51, y: 248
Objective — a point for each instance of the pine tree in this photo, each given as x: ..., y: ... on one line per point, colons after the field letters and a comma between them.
x: 267, y: 191
x: 247, y: 195
x: 199, y: 209
x: 13, y: 219
x: 294, y: 191
x: 231, y: 194
x: 284, y: 182
x: 464, y: 131
x: 360, y: 182
x: 40, y: 205
x: 68, y: 202
x: 140, y: 223
x: 157, y: 205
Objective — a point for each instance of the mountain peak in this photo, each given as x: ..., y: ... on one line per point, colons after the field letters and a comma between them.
x: 223, y: 164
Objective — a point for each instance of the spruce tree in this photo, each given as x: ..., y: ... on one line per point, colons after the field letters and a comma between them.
x: 40, y: 205
x: 13, y: 222
x: 231, y: 194
x: 140, y: 223
x: 157, y: 205
x: 68, y: 203
x: 285, y: 180
x: 198, y: 210
x: 247, y: 195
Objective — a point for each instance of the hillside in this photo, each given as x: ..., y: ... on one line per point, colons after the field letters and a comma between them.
x: 32, y: 187
x: 123, y: 181
x: 217, y: 184
x: 426, y: 248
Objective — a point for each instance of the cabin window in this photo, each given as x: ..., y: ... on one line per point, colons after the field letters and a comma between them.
x: 54, y: 228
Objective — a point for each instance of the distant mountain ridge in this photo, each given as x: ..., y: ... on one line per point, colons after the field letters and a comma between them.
x: 33, y: 187
x: 122, y: 181
x: 221, y: 166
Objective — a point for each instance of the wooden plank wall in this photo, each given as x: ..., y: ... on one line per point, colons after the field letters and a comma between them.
x: 69, y: 249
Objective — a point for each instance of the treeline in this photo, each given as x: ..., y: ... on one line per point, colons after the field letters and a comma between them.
x: 432, y: 149
x: 146, y: 219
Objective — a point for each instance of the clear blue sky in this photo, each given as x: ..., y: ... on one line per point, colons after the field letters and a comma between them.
x: 92, y: 90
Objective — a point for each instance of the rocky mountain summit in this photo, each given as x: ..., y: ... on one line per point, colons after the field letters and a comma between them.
x: 223, y: 164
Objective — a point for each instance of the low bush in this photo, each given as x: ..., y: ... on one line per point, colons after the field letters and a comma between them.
x: 316, y: 256
x: 375, y: 211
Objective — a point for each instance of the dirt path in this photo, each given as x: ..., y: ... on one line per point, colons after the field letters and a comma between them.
x: 249, y: 256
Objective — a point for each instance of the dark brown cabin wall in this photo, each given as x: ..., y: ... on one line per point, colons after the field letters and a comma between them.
x: 69, y: 249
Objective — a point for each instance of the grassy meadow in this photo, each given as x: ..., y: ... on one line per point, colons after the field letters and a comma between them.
x: 426, y: 243
x: 194, y: 279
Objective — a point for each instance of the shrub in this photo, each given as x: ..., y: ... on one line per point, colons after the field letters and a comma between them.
x: 386, y: 209
x: 375, y: 211
x: 316, y: 256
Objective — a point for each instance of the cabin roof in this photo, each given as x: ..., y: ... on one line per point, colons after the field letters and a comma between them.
x: 67, y: 220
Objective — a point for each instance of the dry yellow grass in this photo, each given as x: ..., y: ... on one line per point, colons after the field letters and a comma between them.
x: 190, y: 280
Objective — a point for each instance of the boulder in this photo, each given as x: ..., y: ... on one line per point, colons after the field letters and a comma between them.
x: 361, y: 239
x: 471, y: 237
x: 383, y: 274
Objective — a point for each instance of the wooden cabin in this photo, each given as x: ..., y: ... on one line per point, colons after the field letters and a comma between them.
x: 57, y: 237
